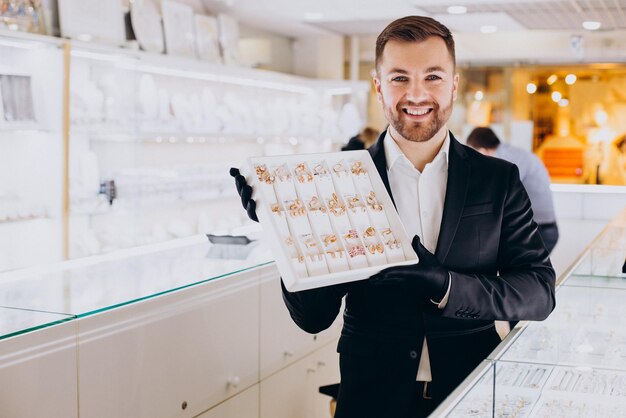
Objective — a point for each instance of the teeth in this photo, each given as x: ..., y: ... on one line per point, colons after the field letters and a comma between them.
x: 417, y: 112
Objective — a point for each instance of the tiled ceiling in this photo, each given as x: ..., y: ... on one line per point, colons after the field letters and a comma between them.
x: 546, y: 15
x: 368, y: 17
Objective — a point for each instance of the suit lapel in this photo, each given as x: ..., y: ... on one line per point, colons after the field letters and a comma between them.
x: 456, y: 193
x: 377, y: 151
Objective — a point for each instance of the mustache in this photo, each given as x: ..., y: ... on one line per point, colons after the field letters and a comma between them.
x: 420, y: 104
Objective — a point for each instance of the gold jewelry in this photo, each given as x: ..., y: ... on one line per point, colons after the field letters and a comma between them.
x: 338, y: 168
x: 332, y: 254
x: 263, y: 175
x: 357, y: 169
x: 352, y: 234
x: 329, y: 239
x: 371, y: 200
x: 369, y: 232
x: 282, y: 173
x: 371, y: 248
x: 386, y: 231
x: 316, y: 204
x: 288, y: 241
x: 302, y: 173
x: 319, y: 169
x: 275, y: 208
x: 309, y: 242
x: 353, y: 202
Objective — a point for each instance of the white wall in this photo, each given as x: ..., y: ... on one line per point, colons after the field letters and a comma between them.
x: 319, y: 57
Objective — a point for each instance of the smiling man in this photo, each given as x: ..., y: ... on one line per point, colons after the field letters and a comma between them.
x: 411, y: 334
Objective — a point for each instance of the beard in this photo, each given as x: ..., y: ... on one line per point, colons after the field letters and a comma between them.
x: 420, y: 131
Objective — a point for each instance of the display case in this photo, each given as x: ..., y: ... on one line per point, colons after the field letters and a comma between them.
x: 106, y: 148
x: 31, y: 151
x: 152, y: 139
x: 571, y: 364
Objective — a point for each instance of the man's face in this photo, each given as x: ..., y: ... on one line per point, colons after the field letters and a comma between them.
x: 416, y: 85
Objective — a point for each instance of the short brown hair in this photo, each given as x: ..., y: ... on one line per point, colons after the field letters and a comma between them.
x: 411, y: 29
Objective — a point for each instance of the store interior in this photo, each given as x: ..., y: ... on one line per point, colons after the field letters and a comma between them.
x: 120, y: 120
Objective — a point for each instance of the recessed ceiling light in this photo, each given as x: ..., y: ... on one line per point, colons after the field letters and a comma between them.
x: 478, y: 96
x: 488, y: 29
x: 591, y: 25
x: 531, y: 88
x: 556, y: 96
x: 570, y: 79
x: 552, y: 79
x: 457, y: 10
x: 563, y: 102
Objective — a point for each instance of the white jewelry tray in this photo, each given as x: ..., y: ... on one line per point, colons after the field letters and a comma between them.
x: 312, y: 232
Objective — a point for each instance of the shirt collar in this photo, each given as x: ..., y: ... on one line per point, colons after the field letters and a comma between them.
x: 393, y: 153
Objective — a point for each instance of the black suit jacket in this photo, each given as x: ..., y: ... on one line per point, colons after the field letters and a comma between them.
x: 500, y: 271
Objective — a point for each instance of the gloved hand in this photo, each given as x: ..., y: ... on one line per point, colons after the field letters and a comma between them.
x: 245, y: 192
x: 428, y: 277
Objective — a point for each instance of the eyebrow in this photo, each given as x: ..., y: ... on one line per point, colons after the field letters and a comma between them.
x: 428, y: 70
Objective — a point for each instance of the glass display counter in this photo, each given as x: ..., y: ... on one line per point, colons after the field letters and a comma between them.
x: 44, y: 296
x: 573, y: 364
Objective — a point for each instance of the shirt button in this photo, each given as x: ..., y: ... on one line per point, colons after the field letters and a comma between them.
x: 413, y: 354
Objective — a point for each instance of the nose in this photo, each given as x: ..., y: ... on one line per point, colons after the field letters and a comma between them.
x: 416, y: 91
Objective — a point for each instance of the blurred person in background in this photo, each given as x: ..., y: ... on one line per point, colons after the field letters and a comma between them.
x: 362, y: 140
x: 533, y: 174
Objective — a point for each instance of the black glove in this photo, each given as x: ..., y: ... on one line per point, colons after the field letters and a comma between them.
x: 245, y: 192
x: 428, y: 277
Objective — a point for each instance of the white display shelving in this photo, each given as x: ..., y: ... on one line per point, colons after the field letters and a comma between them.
x: 164, y: 130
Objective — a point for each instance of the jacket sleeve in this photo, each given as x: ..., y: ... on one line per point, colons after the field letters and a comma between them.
x: 524, y: 287
x: 314, y: 310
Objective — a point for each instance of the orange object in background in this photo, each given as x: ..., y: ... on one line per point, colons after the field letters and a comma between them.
x: 563, y: 162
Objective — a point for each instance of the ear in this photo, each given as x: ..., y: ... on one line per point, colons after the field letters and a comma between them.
x: 455, y: 86
x: 377, y: 85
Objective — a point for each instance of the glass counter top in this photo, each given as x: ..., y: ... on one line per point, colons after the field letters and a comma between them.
x: 585, y: 329
x: 19, y: 321
x: 110, y: 281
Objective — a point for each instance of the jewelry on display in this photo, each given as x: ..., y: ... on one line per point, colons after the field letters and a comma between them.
x: 264, y: 175
x: 282, y: 173
x: 352, y: 234
x: 316, y: 204
x: 353, y: 202
x: 309, y: 242
x: 356, y: 251
x: 276, y: 208
x: 369, y: 232
x: 357, y: 169
x: 319, y: 170
x: 371, y: 201
x: 338, y: 168
x: 386, y: 231
x: 335, y: 207
x: 302, y: 173
x: 297, y: 208
x: 329, y: 239
x: 288, y: 241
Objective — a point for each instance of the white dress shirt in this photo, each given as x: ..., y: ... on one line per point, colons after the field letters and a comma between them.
x: 419, y: 199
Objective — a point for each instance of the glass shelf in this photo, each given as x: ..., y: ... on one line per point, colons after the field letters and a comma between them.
x: 112, y: 281
x: 19, y: 321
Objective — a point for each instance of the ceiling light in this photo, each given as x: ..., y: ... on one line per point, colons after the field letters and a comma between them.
x: 552, y: 79
x: 457, y: 10
x: 531, y: 88
x: 563, y: 102
x: 591, y: 25
x: 570, y: 79
x: 556, y: 96
x: 478, y: 96
x: 488, y: 29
